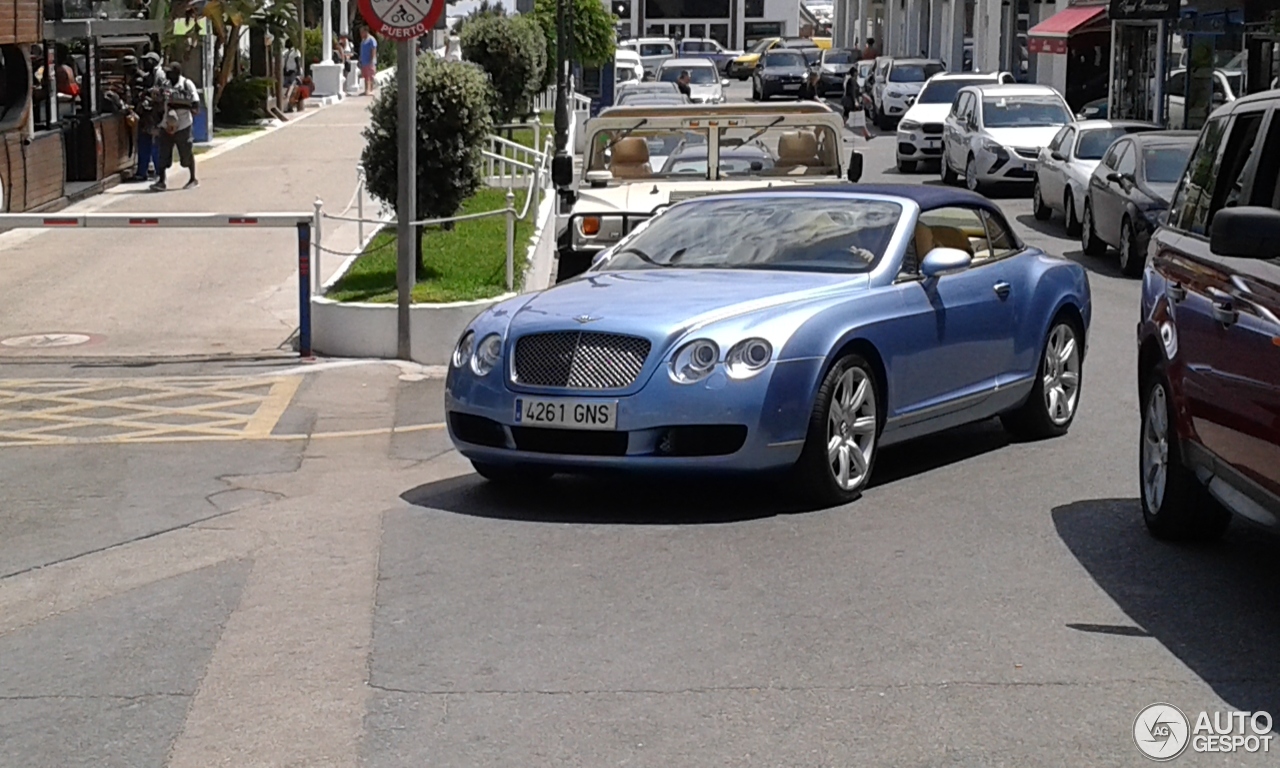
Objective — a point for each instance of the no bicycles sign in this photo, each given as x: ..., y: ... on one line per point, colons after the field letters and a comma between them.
x: 402, y: 19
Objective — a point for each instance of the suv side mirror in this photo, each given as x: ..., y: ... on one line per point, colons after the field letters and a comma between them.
x: 855, y: 167
x: 1247, y: 232
x: 562, y: 171
x: 942, y: 260
x: 1056, y: 155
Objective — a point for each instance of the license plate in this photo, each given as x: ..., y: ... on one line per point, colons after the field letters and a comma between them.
x: 568, y: 414
x: 932, y: 143
x: 791, y: 87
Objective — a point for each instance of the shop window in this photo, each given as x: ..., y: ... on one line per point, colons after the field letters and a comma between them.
x: 757, y: 30
x: 686, y: 9
x: 15, y: 86
x: 1190, y: 209
x: 700, y: 30
x: 720, y: 33
x: 754, y: 9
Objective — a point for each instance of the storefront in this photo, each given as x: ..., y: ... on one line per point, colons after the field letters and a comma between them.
x: 1081, y: 34
x: 736, y: 24
x: 1142, y: 34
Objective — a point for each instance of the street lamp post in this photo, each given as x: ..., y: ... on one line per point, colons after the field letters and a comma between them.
x: 562, y: 163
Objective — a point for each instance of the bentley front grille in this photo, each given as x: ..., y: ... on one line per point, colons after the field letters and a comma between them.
x: 579, y: 359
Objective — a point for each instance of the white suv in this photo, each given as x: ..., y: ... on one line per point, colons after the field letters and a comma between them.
x: 994, y: 133
x: 920, y: 129
x: 895, y: 85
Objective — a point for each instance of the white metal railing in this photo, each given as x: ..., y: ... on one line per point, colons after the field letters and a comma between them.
x: 509, y: 163
x: 545, y: 101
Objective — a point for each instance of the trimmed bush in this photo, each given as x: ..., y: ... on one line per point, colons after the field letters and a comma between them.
x: 244, y: 101
x: 455, y: 108
x: 512, y: 50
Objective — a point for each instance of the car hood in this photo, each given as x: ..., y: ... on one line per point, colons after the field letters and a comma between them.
x: 663, y: 304
x: 910, y: 89
x: 644, y: 196
x: 927, y: 113
x: 1028, y: 137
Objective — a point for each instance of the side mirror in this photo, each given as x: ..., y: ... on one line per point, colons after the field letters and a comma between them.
x: 1056, y: 155
x: 1118, y: 178
x: 724, y: 82
x: 855, y: 167
x: 1247, y: 232
x: 562, y: 171
x: 942, y: 260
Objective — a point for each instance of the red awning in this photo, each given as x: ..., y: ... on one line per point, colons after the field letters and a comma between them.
x: 1050, y: 35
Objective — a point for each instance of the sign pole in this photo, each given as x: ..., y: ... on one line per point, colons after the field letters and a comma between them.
x: 406, y: 194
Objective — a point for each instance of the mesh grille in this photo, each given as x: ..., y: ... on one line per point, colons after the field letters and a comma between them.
x: 1029, y: 153
x: 933, y: 128
x: 579, y: 360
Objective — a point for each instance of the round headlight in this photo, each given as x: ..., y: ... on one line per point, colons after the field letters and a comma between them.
x: 694, y: 361
x: 462, y: 353
x: 488, y: 353
x: 748, y: 357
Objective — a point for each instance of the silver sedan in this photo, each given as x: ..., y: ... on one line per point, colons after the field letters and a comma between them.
x: 1064, y: 167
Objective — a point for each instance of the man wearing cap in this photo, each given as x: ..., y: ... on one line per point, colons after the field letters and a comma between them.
x: 181, y: 103
x: 148, y: 103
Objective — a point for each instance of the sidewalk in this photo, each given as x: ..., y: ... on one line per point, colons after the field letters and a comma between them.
x: 189, y: 292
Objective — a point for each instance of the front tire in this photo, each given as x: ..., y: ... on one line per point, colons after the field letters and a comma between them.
x: 844, y: 431
x: 1175, y: 506
x: 1055, y: 395
x: 971, y: 180
x: 508, y: 475
x: 1088, y: 235
x: 1132, y: 257
x: 1069, y: 213
x: 948, y: 176
x: 1041, y: 211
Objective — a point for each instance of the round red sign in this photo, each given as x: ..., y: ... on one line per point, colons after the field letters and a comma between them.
x: 402, y: 19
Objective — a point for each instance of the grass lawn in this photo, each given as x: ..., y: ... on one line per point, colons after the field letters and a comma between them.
x: 232, y: 131
x: 464, y: 264
x: 525, y: 135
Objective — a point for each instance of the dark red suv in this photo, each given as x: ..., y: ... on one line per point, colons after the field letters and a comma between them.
x: 1209, y: 336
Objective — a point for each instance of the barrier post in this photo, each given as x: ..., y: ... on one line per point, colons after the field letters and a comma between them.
x: 536, y: 191
x: 304, y: 289
x: 360, y: 203
x: 317, y: 232
x: 511, y: 238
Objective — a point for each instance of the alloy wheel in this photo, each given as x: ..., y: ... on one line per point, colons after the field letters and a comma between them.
x: 1061, y: 374
x: 971, y: 175
x: 1155, y: 448
x: 851, y: 429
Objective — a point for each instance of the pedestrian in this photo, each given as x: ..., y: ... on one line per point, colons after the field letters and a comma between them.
x: 292, y: 65
x: 870, y: 51
x: 345, y: 52
x: 368, y: 60
x: 148, y: 104
x: 181, y: 103
x: 809, y: 90
x: 682, y: 83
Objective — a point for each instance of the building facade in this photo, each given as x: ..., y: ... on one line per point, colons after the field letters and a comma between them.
x: 735, y: 23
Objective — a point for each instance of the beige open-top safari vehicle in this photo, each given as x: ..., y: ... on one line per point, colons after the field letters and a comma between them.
x: 642, y: 158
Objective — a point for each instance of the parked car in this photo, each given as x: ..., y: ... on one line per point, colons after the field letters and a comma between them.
x: 706, y: 86
x: 627, y: 66
x: 1064, y: 167
x: 781, y: 73
x: 1208, y: 355
x: 1129, y: 195
x: 920, y: 129
x: 650, y: 98
x: 1228, y: 85
x: 651, y: 87
x: 855, y: 86
x: 653, y: 51
x: 834, y: 65
x: 894, y: 91
x: 1094, y: 110
x: 784, y: 329
x: 994, y: 133
x: 743, y: 66
x: 707, y: 48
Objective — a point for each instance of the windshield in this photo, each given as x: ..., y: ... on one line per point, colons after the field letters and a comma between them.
x: 839, y: 57
x: 761, y: 46
x: 784, y: 59
x: 914, y: 73
x: 1164, y: 165
x: 812, y: 55
x: 1094, y: 144
x: 1023, y: 112
x: 697, y: 75
x: 792, y: 232
x: 944, y: 91
x: 651, y: 151
x: 655, y: 49
x: 652, y: 98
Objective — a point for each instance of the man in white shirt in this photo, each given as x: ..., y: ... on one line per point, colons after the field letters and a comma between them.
x: 292, y: 64
x: 182, y: 102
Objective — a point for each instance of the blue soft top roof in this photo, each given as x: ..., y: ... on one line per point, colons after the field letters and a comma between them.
x: 928, y: 197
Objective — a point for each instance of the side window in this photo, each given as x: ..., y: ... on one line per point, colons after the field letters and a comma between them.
x: 1266, y: 176
x: 1128, y: 162
x: 1003, y: 241
x: 1235, y: 160
x: 960, y: 228
x: 957, y: 106
x: 1177, y: 85
x: 1068, y: 141
x: 1190, y: 209
x: 1056, y: 144
x: 1112, y: 157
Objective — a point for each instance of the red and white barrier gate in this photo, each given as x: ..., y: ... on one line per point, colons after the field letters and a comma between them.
x: 275, y: 220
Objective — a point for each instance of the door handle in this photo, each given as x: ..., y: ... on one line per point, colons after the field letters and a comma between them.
x: 1002, y: 289
x: 1176, y: 292
x: 1225, y: 312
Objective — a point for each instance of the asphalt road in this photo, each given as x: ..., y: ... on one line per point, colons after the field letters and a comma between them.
x: 345, y: 593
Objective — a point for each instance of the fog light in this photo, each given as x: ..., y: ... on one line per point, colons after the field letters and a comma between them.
x: 591, y: 225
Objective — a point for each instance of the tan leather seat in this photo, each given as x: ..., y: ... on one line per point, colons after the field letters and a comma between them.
x: 950, y: 237
x: 630, y: 159
x: 924, y: 241
x: 797, y: 149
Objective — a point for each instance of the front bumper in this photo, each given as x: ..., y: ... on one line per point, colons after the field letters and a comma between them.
x: 918, y: 145
x: 897, y: 106
x: 781, y: 86
x: 736, y: 425
x: 1004, y: 165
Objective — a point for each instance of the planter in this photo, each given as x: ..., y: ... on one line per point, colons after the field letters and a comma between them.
x: 363, y: 329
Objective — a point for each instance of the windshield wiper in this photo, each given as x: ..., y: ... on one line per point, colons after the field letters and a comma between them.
x: 646, y: 258
x: 756, y: 135
x: 625, y: 134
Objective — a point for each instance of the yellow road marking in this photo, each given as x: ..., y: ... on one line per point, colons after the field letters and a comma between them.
x: 282, y: 392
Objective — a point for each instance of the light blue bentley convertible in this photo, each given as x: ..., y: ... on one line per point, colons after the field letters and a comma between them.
x: 801, y: 329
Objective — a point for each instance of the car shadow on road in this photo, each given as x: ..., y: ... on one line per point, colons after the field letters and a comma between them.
x: 1216, y: 607
x: 1106, y: 265
x: 926, y: 454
